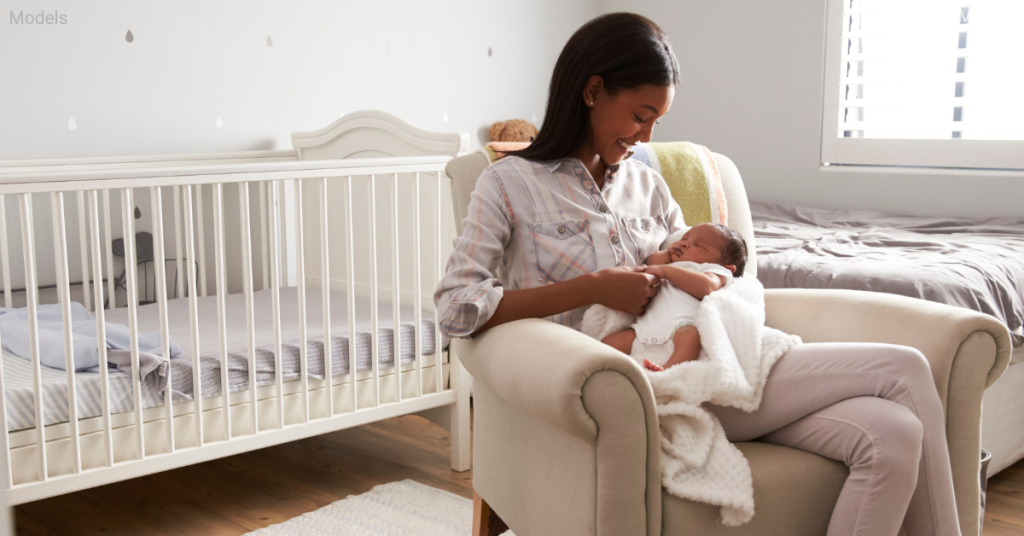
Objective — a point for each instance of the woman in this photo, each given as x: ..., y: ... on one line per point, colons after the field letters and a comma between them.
x: 567, y: 222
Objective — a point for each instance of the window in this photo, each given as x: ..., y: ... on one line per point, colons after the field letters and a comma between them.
x: 897, y: 74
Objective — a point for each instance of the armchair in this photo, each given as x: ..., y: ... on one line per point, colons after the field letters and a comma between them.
x: 566, y: 438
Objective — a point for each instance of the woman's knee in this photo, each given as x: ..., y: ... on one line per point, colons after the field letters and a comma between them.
x: 910, y: 364
x: 877, y: 432
x: 896, y: 437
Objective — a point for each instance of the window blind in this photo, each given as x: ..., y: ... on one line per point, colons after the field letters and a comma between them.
x: 902, y: 73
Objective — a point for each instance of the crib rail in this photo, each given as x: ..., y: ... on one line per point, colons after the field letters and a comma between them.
x: 327, y: 212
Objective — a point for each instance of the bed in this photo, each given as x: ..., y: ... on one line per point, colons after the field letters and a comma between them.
x: 344, y: 234
x: 977, y: 264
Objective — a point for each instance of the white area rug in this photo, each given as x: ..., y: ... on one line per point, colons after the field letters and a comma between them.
x: 395, y: 509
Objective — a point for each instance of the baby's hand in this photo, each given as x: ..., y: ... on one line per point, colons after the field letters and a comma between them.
x: 656, y: 270
x: 659, y: 257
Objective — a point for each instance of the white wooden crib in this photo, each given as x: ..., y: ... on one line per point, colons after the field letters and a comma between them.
x: 352, y: 223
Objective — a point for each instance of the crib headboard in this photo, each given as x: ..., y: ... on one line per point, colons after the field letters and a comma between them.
x: 373, y: 134
x: 377, y: 134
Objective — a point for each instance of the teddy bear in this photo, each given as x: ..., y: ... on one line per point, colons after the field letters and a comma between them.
x: 514, y: 130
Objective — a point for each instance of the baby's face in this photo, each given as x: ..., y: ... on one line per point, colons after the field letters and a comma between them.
x: 701, y: 244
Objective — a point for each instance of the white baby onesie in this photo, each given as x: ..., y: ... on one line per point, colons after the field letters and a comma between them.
x: 671, y: 309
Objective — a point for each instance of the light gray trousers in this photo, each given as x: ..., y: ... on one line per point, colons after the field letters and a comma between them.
x: 874, y: 407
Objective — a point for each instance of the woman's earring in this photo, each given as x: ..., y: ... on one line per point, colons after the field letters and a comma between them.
x: 591, y: 103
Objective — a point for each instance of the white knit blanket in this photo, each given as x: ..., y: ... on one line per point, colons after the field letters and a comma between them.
x: 698, y: 462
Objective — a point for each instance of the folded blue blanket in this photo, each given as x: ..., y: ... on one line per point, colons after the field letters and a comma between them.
x: 15, y: 338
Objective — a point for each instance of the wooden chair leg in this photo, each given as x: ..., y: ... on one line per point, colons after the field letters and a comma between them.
x: 481, y: 515
x: 485, y: 521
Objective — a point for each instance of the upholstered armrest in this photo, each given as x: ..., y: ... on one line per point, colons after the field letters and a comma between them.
x: 540, y: 367
x: 558, y: 414
x: 935, y: 329
x: 967, y: 350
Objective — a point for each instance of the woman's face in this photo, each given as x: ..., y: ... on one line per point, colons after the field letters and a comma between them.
x: 619, y: 121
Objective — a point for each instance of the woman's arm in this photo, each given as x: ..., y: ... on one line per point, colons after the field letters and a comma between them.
x: 626, y: 288
x: 696, y: 284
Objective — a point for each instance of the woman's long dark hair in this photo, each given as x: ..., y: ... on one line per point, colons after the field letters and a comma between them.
x: 624, y: 49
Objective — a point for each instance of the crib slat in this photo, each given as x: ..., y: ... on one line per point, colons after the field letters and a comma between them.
x: 86, y: 297
x: 221, y: 285
x: 5, y: 444
x: 300, y: 281
x: 60, y: 250
x: 374, y: 324
x: 275, y: 298
x: 350, y: 274
x: 178, y: 260
x: 109, y: 246
x: 396, y: 293
x: 202, y: 241
x: 157, y: 208
x: 282, y: 221
x: 32, y: 299
x: 325, y: 288
x: 418, y: 298
x: 4, y: 254
x: 130, y: 262
x: 250, y: 317
x: 193, y: 315
x: 264, y: 245
x: 101, y: 329
x: 440, y: 274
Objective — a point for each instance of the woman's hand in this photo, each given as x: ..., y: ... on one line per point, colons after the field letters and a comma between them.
x: 625, y: 288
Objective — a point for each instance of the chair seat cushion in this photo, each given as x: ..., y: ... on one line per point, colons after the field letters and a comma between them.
x: 794, y: 494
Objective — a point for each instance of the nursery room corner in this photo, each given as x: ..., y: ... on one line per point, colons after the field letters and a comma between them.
x: 453, y: 267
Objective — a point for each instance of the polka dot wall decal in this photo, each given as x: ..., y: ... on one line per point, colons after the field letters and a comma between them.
x: 129, y: 37
x: 489, y: 52
x: 445, y: 117
x: 270, y: 42
x: 220, y: 122
x: 72, y: 125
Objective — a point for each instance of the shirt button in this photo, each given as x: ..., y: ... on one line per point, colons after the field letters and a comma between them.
x: 561, y: 229
x: 615, y: 239
x: 603, y: 208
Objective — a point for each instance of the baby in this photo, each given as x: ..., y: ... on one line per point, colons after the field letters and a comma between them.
x: 696, y: 265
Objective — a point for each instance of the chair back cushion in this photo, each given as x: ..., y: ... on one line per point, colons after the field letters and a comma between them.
x: 465, y: 170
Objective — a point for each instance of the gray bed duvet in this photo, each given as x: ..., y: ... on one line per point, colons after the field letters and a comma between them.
x: 978, y: 264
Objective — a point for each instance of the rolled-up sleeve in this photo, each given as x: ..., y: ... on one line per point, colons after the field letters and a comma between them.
x: 469, y: 292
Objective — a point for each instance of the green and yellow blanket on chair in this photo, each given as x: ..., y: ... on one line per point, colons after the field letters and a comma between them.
x: 688, y: 169
x: 692, y: 176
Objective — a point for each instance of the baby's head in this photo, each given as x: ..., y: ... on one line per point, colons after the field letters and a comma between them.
x: 711, y: 243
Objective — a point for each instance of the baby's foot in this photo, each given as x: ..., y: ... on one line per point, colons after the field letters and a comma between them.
x: 652, y: 366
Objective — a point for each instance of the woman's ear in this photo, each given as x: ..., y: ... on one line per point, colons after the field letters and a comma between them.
x: 592, y: 90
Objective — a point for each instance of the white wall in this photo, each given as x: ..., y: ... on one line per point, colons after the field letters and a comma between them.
x: 190, y: 63
x: 751, y: 89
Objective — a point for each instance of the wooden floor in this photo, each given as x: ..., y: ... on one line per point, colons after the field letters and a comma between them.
x: 1004, y: 513
x: 243, y: 493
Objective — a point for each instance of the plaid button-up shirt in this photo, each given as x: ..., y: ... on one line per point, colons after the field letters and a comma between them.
x: 534, y: 223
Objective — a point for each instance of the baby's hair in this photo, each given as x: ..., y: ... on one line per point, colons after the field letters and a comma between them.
x: 735, y: 250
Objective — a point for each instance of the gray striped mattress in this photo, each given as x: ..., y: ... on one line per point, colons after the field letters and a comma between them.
x: 18, y: 372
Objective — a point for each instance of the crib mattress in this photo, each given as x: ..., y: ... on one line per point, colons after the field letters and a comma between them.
x: 18, y: 371
x: 977, y: 264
